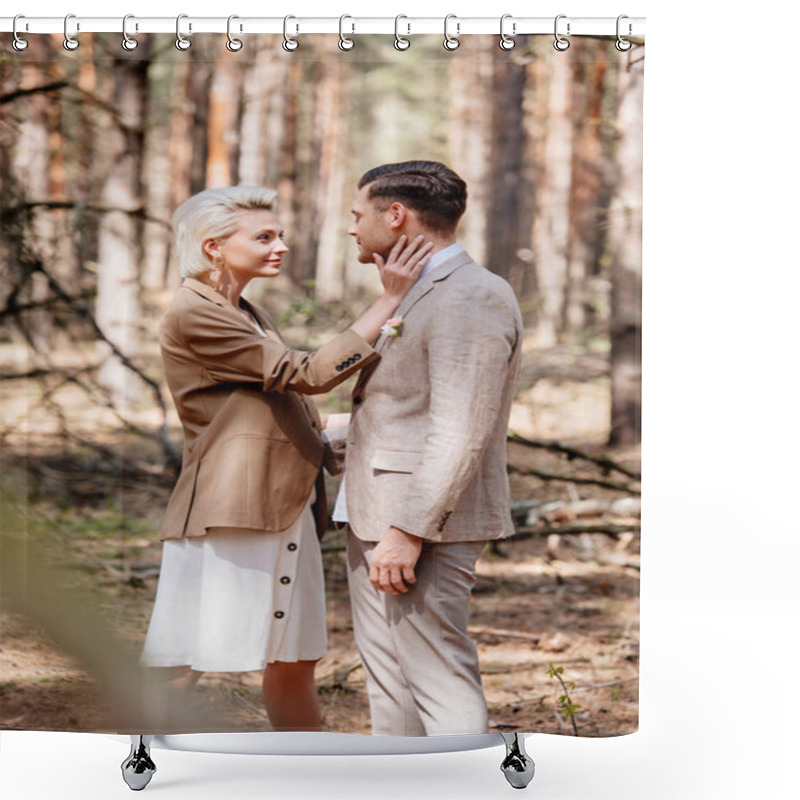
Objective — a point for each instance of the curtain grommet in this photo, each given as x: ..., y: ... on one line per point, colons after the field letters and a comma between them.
x: 233, y: 44
x: 507, y: 42
x: 290, y: 43
x: 19, y: 44
x: 345, y: 43
x: 560, y: 42
x: 451, y: 42
x: 181, y: 42
x: 128, y: 42
x: 70, y: 42
x: 400, y: 42
x: 622, y: 44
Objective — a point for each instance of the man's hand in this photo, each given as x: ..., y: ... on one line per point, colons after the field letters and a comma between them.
x: 393, y: 562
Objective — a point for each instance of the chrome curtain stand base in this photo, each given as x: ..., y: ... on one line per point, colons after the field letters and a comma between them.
x: 138, y: 768
x: 517, y: 766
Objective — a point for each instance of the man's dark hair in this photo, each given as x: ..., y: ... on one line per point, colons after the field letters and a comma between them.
x: 431, y: 189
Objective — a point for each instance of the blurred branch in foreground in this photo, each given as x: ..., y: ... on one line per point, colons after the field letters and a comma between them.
x: 139, y: 701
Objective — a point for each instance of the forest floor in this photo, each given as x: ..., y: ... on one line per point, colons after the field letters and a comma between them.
x: 542, y: 598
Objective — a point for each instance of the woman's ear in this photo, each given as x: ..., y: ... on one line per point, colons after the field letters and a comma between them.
x: 210, y: 247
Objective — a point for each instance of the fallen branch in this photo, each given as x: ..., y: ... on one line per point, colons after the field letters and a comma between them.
x: 612, y: 529
x: 339, y: 676
x: 17, y: 93
x: 606, y: 464
x: 546, y: 476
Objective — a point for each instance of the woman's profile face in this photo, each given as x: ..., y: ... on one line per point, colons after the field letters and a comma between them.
x: 255, y: 249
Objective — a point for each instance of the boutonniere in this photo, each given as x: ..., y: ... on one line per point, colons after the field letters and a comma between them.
x: 393, y: 327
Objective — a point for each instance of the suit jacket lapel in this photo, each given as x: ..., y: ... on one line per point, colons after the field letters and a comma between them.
x: 418, y: 291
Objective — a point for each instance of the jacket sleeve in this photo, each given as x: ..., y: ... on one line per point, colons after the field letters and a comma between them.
x: 230, y: 353
x: 470, y: 348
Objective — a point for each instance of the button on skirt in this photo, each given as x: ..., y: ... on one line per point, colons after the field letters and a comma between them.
x: 237, y: 599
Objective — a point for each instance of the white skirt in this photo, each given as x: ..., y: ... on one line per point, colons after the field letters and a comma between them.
x: 236, y: 599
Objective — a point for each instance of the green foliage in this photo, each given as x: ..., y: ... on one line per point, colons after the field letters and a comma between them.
x: 304, y: 305
x: 565, y: 705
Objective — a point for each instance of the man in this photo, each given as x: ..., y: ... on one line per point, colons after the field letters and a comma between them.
x: 425, y: 470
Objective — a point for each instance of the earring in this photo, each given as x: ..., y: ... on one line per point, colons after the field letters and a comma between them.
x: 216, y: 270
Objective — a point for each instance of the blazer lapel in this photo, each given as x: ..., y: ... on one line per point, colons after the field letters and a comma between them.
x: 418, y: 291
x: 423, y: 287
x: 214, y: 296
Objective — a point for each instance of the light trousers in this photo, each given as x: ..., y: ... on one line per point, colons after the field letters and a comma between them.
x: 422, y: 671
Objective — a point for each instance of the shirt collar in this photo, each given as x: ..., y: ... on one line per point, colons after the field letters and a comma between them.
x: 438, y: 258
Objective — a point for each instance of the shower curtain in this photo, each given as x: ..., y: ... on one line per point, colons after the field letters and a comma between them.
x: 101, y: 144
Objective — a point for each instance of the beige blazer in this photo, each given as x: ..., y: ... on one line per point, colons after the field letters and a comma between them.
x: 252, y: 445
x: 426, y: 450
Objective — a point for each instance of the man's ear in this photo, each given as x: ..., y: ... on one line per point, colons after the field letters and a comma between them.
x: 398, y: 215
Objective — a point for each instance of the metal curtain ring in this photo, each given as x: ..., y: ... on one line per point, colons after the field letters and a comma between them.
x: 560, y: 43
x: 19, y: 43
x: 234, y: 45
x: 623, y: 45
x: 451, y: 42
x: 181, y: 42
x: 290, y: 43
x: 128, y: 42
x: 344, y: 42
x: 70, y: 42
x: 400, y: 43
x: 506, y: 42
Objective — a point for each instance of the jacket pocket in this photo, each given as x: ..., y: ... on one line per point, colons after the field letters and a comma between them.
x: 395, y: 460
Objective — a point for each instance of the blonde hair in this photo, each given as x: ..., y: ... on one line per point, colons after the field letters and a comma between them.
x: 213, y: 213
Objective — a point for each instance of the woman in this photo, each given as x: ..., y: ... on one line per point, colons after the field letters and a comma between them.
x: 241, y: 584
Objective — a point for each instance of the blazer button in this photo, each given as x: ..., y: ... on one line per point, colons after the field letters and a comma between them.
x: 279, y: 615
x: 357, y: 401
x: 357, y: 356
x: 292, y: 546
x: 313, y: 424
x: 339, y: 368
x: 285, y: 580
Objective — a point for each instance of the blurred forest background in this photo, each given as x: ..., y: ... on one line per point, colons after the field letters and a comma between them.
x: 98, y: 148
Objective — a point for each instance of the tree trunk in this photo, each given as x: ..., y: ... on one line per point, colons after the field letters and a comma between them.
x: 586, y: 194
x: 31, y: 165
x: 551, y: 219
x: 330, y: 125
x: 625, y: 245
x: 468, y: 139
x: 160, y: 173
x: 222, y: 118
x: 507, y: 173
x: 117, y: 305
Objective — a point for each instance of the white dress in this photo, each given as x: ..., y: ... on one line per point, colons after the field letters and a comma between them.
x: 235, y: 600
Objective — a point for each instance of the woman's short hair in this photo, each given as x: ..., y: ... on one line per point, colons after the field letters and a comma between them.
x: 213, y: 213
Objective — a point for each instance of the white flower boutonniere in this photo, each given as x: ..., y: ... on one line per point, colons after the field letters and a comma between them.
x: 393, y: 327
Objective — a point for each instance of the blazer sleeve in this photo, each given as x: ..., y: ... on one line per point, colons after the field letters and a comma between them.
x: 470, y: 348
x: 230, y: 353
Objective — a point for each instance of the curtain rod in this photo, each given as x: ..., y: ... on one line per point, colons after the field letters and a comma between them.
x: 452, y: 26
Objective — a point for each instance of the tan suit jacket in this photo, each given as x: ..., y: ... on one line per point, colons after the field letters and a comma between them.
x: 252, y: 447
x: 426, y: 450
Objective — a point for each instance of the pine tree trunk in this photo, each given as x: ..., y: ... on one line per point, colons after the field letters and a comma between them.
x: 469, y: 142
x: 117, y: 304
x: 507, y: 174
x: 625, y: 235
x: 330, y: 125
x: 551, y: 219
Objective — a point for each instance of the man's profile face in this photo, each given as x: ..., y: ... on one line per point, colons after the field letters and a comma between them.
x: 371, y: 228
